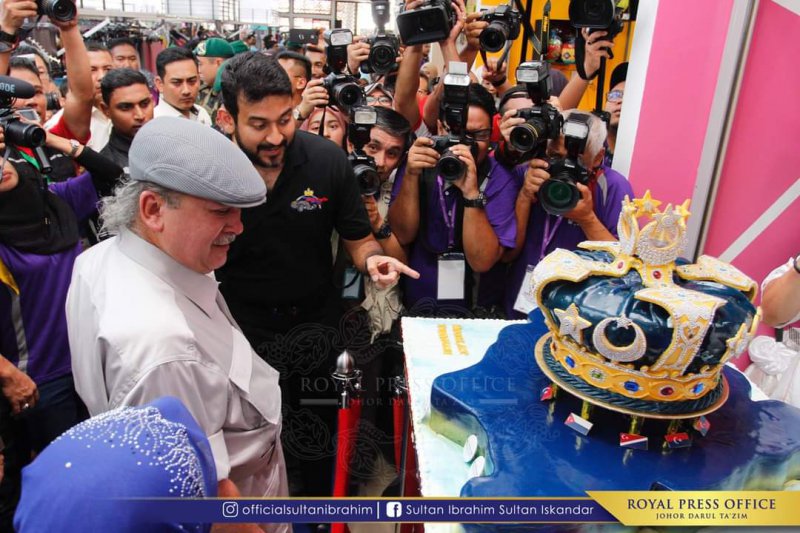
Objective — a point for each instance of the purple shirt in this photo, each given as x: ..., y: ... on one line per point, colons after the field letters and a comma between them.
x: 608, y: 193
x: 501, y: 194
x: 33, y: 325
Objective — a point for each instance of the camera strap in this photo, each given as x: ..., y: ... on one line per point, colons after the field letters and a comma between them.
x: 449, y: 218
x: 549, y: 233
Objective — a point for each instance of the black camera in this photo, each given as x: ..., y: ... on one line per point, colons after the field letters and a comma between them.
x: 60, y: 10
x: 18, y: 133
x: 383, y: 51
x: 384, y: 47
x: 429, y: 23
x: 559, y: 194
x: 343, y: 91
x: 543, y: 121
x: 597, y: 15
x: 453, y: 113
x: 366, y: 171
x: 504, y: 24
x: 449, y: 166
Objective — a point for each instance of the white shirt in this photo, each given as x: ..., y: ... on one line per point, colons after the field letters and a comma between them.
x: 775, y: 274
x: 100, y: 127
x: 142, y: 326
x: 197, y: 113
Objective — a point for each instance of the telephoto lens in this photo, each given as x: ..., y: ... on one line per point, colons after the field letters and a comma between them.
x: 559, y: 194
x: 382, y: 57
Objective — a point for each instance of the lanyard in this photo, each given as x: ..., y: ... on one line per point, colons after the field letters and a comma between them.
x: 548, y: 234
x: 30, y: 159
x: 449, y: 220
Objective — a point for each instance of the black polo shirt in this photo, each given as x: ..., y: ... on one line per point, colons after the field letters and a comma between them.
x: 283, y: 257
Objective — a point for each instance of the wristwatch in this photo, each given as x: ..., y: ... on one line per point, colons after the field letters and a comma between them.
x: 479, y: 202
x: 384, y: 232
x: 75, y: 146
x: 797, y: 264
x: 8, y: 41
x: 297, y: 115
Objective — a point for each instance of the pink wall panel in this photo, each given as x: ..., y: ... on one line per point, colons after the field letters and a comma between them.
x: 681, y: 79
x: 763, y: 157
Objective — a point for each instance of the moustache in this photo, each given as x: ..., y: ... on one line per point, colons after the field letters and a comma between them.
x: 225, y: 239
x: 268, y: 147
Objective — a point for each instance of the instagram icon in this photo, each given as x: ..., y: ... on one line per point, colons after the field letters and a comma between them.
x: 230, y: 509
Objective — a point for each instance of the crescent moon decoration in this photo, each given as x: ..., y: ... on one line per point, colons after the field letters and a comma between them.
x: 620, y: 354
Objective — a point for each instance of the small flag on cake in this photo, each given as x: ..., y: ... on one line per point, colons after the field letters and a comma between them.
x: 581, y: 425
x: 678, y: 440
x: 635, y: 442
x: 547, y: 393
x: 702, y: 425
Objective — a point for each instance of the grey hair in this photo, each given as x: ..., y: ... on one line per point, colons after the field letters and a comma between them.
x: 120, y: 210
x: 597, y: 132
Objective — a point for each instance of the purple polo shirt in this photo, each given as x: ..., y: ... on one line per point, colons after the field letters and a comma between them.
x: 33, y: 325
x: 501, y: 194
x: 608, y: 193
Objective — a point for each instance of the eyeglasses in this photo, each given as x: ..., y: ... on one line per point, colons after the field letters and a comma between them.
x: 481, y: 135
x: 615, y: 96
x: 383, y: 100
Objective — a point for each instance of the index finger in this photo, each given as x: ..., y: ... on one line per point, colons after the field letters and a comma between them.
x: 402, y: 268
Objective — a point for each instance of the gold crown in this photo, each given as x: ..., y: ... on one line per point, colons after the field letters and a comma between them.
x: 651, y: 252
x: 308, y: 192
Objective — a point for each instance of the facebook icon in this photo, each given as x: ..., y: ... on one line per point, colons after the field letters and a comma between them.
x: 394, y: 509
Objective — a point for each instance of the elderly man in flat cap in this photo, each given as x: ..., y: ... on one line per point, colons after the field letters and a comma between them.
x: 145, y: 318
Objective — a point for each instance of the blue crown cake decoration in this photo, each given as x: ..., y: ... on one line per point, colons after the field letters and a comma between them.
x: 634, y: 328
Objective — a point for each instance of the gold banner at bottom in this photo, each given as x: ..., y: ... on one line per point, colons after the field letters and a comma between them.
x: 712, y: 508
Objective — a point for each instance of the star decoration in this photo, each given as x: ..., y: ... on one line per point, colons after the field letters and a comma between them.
x: 624, y: 322
x: 666, y: 220
x: 572, y: 323
x: 646, y: 205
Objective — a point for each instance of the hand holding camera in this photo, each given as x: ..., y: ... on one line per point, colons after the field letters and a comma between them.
x: 597, y: 47
x: 314, y: 95
x: 421, y: 156
x: 473, y: 29
x: 343, y: 91
x: 357, y: 53
x: 14, y: 12
x: 535, y: 177
x: 542, y: 121
x: 468, y: 182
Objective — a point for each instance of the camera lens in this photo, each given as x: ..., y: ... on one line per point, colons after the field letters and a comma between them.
x: 558, y: 195
x: 382, y: 57
x: 493, y: 38
x: 61, y: 10
x: 368, y: 180
x: 22, y: 134
x: 450, y: 167
x: 347, y: 95
x: 525, y: 137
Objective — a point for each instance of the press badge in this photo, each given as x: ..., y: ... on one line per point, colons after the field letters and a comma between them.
x: 526, y: 301
x: 351, y: 289
x: 451, y: 274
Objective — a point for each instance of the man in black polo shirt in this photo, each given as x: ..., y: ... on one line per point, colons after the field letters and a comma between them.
x: 278, y: 278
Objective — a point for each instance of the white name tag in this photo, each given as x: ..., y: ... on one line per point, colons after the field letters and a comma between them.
x: 526, y: 301
x: 450, y: 279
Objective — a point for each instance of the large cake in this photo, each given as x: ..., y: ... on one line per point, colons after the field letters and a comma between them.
x: 632, y: 341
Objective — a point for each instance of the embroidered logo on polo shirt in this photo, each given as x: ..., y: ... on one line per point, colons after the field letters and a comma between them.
x: 308, y: 202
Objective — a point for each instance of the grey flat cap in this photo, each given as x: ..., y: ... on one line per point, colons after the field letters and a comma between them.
x: 188, y: 157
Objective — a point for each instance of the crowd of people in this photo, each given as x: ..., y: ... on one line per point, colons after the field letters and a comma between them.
x: 202, y: 235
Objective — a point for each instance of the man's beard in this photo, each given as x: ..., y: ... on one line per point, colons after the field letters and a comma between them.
x: 274, y: 162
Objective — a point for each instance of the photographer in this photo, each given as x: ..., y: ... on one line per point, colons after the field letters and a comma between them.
x: 335, y: 128
x: 458, y: 227
x: 594, y: 217
x: 39, y: 243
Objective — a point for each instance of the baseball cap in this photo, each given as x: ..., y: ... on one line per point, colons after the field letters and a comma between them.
x: 214, y: 47
x: 191, y: 158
